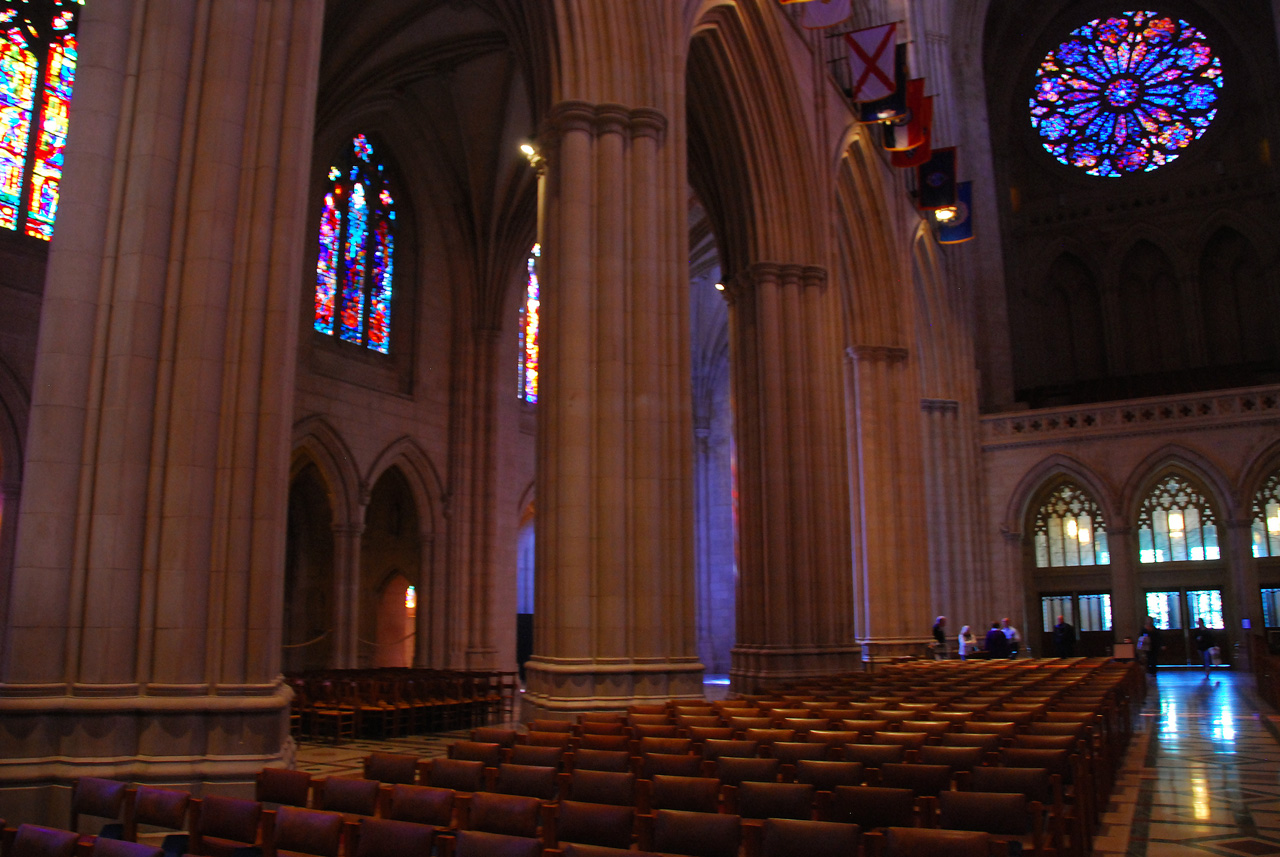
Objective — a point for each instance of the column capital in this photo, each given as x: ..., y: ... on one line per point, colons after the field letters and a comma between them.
x: 774, y: 273
x: 612, y: 118
x: 569, y: 116
x: 648, y: 122
x: 605, y: 118
x: 877, y: 354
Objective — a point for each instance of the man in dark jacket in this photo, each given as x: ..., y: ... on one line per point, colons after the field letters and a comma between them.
x: 997, y: 644
x: 1064, y: 639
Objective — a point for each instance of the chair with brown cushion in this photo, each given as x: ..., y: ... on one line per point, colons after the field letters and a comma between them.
x: 100, y: 798
x: 804, y: 725
x: 573, y: 849
x: 31, y: 840
x: 529, y: 780
x: 693, y: 711
x: 835, y: 738
x: 701, y: 721
x: 669, y: 746
x: 958, y: 758
x: 303, y: 832
x: 599, y: 727
x: 654, y: 730
x: 611, y: 787
x: 347, y: 795
x: 391, y: 768
x: 923, y: 842
x: 494, y: 735
x: 957, y: 719
x: 875, y: 755
x: 530, y: 754
x: 699, y: 834
x: 770, y: 800
x: 461, y: 775
x: 700, y: 735
x: 220, y: 826
x: 742, y: 724
x: 692, y: 794
x: 826, y: 776
x: 602, y: 717
x: 1005, y: 729
x: 420, y: 805
x: 601, y: 760
x: 477, y: 751
x: 789, y: 837
x: 605, y: 742
x: 1011, y: 817
x: 479, y: 843
x: 714, y: 748
x: 157, y: 807
x: 871, y: 807
x: 910, y: 740
x: 592, y: 824
x: 104, y: 847
x: 933, y: 728
x: 653, y: 764
x: 1040, y: 785
x: 769, y: 736
x: 512, y: 815
x: 988, y: 743
x: 924, y: 780
x: 733, y: 770
x: 563, y: 740
x: 549, y: 725
x: 282, y: 787
x: 651, y: 715
x: 382, y: 837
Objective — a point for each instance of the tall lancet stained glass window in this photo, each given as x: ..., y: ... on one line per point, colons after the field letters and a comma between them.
x: 529, y: 318
x: 37, y: 71
x: 356, y: 265
x: 1126, y: 94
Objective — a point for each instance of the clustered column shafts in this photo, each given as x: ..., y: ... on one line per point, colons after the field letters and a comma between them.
x: 614, y: 556
x: 794, y: 601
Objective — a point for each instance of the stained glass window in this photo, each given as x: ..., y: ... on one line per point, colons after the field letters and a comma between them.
x: 1069, y: 530
x: 37, y: 71
x: 1177, y: 524
x: 355, y: 267
x: 1126, y: 94
x: 1266, y: 518
x: 529, y: 319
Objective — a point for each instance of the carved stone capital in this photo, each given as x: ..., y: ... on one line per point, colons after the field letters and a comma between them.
x: 612, y: 119
x: 648, y: 122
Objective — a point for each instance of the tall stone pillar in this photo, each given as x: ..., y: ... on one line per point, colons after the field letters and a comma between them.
x: 346, y: 591
x: 615, y: 607
x: 795, y: 605
x: 1127, y: 607
x: 893, y: 600
x: 143, y: 635
x: 1245, y: 588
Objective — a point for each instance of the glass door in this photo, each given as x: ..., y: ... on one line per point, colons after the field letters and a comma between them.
x: 1176, y: 612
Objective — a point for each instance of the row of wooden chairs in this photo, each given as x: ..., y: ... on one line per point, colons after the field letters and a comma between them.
x: 31, y: 840
x: 338, y: 705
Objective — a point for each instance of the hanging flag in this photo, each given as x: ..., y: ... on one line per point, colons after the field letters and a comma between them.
x: 894, y: 104
x: 906, y: 132
x: 960, y: 227
x: 920, y: 154
x: 871, y: 62
x: 936, y: 180
x: 820, y: 14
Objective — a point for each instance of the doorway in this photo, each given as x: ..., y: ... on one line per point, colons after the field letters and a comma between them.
x: 1176, y: 612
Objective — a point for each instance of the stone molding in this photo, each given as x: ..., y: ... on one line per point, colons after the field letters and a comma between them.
x: 1213, y: 410
x: 940, y: 406
x: 877, y: 354
x: 776, y: 274
x: 606, y: 118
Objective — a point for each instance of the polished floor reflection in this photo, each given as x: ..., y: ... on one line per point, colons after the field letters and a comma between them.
x: 1202, y: 775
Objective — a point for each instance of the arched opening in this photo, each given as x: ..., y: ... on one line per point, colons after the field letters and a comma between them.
x: 1069, y: 563
x: 397, y: 612
x: 308, y: 593
x: 390, y: 562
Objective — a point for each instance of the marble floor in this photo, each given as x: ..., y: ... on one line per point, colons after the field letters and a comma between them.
x: 1201, y: 777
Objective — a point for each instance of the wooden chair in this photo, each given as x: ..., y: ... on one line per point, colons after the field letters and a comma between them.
x: 101, y: 798
x: 511, y: 815
x: 920, y: 842
x: 871, y: 807
x: 609, y: 787
x: 601, y: 760
x: 692, y: 794
x: 104, y: 847
x: 463, y: 775
x: 531, y: 754
x: 391, y: 768
x: 734, y: 770
x: 157, y: 807
x: 381, y: 837
x: 31, y: 840
x: 826, y: 776
x: 350, y: 796
x: 590, y: 824
x: 282, y: 787
x: 475, y: 751
x: 424, y: 805
x: 698, y: 834
x: 528, y: 780
x: 770, y: 800
x: 787, y: 837
x: 222, y: 825
x: 480, y: 843
x: 295, y: 832
x: 653, y: 764
x: 1011, y: 817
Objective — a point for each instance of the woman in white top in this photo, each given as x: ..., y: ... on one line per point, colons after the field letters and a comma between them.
x: 966, y: 642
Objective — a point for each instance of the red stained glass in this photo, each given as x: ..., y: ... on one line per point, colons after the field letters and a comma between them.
x: 17, y: 100
x: 327, y: 265
x: 529, y: 323
x: 42, y: 202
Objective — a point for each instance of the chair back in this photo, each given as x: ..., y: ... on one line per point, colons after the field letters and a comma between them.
x: 384, y: 837
x: 306, y: 831
x: 421, y: 805
x: 391, y: 768
x: 31, y: 840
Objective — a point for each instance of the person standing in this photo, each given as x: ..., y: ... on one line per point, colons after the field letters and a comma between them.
x: 940, y: 638
x: 1149, y: 644
x: 1013, y: 637
x: 996, y: 644
x: 1204, y: 643
x: 967, y: 644
x: 1064, y: 639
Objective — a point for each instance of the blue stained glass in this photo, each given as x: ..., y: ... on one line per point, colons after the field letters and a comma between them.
x: 1126, y: 94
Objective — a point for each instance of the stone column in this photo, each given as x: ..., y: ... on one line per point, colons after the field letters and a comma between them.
x: 1128, y: 609
x: 475, y: 493
x: 143, y: 635
x: 893, y: 600
x: 795, y: 605
x: 615, y: 604
x: 1247, y: 592
x: 346, y: 591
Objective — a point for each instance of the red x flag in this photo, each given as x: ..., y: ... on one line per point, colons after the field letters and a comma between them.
x: 871, y: 53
